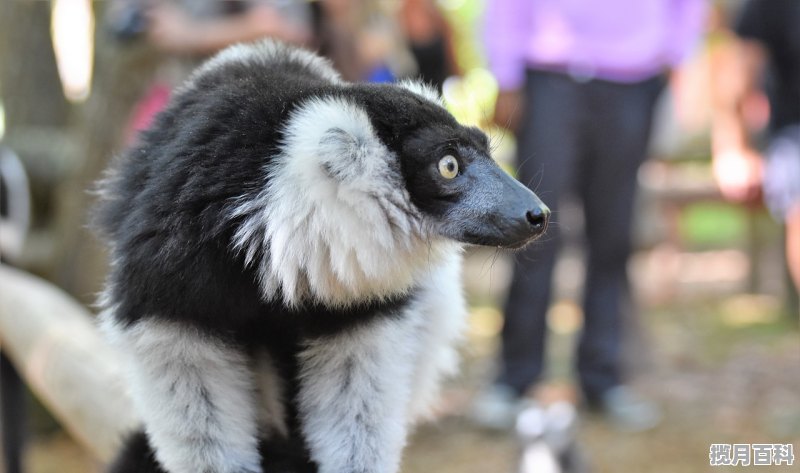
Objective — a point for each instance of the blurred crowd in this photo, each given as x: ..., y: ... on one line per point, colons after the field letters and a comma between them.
x: 365, y: 40
x: 578, y: 84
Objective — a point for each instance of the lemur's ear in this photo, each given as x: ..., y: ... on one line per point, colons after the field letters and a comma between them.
x: 347, y: 155
x: 341, y: 153
x: 336, y: 137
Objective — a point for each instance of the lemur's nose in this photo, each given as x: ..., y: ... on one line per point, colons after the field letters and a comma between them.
x: 538, y: 218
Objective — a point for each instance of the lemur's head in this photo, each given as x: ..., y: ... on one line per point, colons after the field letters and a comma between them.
x: 369, y: 186
x: 445, y: 167
x: 449, y: 172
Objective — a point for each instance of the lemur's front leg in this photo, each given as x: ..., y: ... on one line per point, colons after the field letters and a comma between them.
x: 354, y: 395
x: 195, y: 396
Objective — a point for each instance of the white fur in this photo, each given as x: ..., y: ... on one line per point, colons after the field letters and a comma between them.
x: 423, y: 90
x: 441, y: 329
x: 354, y: 395
x: 194, y: 394
x: 334, y: 221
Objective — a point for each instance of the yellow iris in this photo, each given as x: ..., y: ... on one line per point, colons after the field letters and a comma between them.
x: 448, y: 167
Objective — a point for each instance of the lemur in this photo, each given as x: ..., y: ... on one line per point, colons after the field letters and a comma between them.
x: 285, y: 264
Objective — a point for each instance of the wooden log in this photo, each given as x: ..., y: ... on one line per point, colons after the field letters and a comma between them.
x: 53, y: 342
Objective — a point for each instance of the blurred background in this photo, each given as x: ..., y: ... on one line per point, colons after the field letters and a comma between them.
x: 716, y: 344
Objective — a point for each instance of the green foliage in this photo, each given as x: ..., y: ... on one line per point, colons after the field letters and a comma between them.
x: 713, y: 224
x: 465, y: 17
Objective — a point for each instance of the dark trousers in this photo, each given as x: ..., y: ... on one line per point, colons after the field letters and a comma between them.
x: 586, y: 138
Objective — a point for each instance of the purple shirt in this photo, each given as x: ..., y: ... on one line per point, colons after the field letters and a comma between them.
x: 616, y: 40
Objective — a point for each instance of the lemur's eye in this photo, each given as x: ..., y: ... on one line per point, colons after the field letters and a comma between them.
x: 448, y: 167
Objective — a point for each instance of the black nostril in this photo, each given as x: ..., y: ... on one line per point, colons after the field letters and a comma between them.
x: 537, y: 218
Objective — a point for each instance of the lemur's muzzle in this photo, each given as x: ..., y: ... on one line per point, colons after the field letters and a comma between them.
x: 520, y: 216
x: 497, y: 210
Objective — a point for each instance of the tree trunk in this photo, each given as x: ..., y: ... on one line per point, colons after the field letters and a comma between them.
x: 36, y: 114
x: 65, y: 146
x: 122, y: 72
x: 29, y: 83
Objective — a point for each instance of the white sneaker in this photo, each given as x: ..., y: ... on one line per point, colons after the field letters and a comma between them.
x: 496, y: 408
x: 629, y: 411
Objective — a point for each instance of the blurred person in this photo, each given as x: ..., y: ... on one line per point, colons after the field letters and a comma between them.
x: 362, y: 39
x: 199, y: 28
x: 578, y: 83
x: 189, y: 31
x: 766, y: 56
x: 343, y: 37
x: 430, y: 39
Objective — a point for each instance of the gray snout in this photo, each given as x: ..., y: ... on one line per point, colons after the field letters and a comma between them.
x: 496, y: 210
x: 522, y: 218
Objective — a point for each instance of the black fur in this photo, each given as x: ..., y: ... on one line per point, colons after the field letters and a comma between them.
x: 277, y: 456
x: 136, y: 456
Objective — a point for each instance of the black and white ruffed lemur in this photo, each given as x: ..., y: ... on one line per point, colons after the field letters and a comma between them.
x: 285, y: 264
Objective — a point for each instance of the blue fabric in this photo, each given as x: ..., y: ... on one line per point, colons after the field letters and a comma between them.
x: 380, y: 74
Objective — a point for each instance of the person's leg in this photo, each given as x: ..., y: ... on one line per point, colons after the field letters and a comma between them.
x: 618, y: 136
x: 793, y: 244
x: 782, y: 191
x: 547, y: 151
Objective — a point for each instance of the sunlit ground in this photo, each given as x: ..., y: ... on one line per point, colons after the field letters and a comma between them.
x: 724, y: 366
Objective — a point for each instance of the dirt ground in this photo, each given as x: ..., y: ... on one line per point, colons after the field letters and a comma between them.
x: 725, y: 367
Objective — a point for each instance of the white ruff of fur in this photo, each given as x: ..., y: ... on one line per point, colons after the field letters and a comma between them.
x: 334, y: 222
x: 194, y: 394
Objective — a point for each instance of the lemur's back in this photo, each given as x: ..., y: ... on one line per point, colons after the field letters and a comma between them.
x: 167, y: 204
x: 230, y: 111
